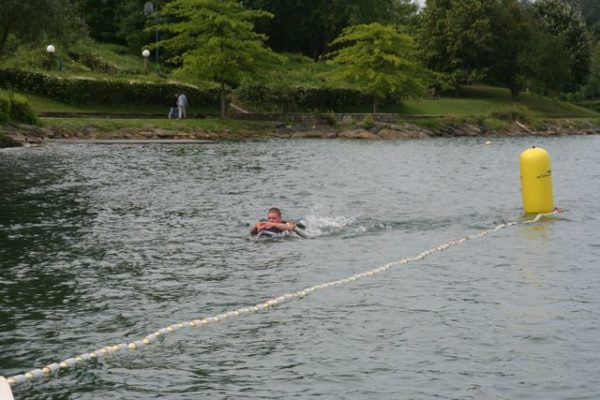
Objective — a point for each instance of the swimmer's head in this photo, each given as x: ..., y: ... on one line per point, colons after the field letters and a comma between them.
x: 274, y: 215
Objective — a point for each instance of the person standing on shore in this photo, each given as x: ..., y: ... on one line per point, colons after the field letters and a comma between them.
x: 173, y: 106
x: 182, y: 104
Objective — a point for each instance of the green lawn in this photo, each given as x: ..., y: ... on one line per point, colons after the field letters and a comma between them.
x: 474, y: 101
x: 41, y: 104
x: 483, y: 100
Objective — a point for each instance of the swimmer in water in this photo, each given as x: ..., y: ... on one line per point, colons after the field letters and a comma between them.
x: 273, y: 224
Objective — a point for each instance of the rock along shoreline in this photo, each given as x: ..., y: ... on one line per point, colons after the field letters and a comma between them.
x: 29, y: 135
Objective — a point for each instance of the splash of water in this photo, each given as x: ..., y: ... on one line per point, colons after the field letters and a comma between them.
x: 317, y: 226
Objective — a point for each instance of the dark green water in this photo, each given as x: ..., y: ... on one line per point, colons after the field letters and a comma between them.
x: 105, y: 244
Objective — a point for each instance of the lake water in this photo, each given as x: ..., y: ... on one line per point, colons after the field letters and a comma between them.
x: 104, y: 244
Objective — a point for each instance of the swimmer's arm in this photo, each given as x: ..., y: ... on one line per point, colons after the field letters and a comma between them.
x: 285, y: 226
x: 257, y: 227
x: 282, y: 226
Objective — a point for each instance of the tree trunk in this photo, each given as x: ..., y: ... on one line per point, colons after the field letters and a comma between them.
x: 223, y: 105
x: 374, y: 105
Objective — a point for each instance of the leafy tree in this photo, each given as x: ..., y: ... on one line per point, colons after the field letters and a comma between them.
x: 545, y: 64
x: 590, y: 10
x: 560, y: 20
x: 132, y: 23
x: 120, y: 21
x: 101, y: 19
x: 308, y: 26
x: 33, y: 19
x: 513, y: 43
x: 456, y: 37
x: 526, y: 53
x: 592, y: 88
x: 379, y: 60
x: 214, y: 40
x: 511, y: 28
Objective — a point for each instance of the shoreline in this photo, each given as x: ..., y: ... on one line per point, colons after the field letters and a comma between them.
x: 30, y: 135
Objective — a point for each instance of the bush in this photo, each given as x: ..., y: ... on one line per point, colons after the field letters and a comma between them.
x: 330, y: 119
x: 294, y: 99
x: 452, y: 119
x: 103, y: 91
x: 4, y: 107
x: 494, y: 124
x: 20, y: 110
x: 16, y: 108
x: 95, y: 63
x: 514, y: 112
x: 368, y: 122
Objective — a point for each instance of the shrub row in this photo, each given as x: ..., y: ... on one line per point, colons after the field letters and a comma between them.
x: 16, y: 108
x: 292, y: 99
x: 103, y: 91
x: 110, y: 92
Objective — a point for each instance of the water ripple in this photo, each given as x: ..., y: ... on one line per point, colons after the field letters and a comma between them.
x: 103, y: 244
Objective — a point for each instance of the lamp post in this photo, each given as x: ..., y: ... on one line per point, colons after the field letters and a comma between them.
x: 151, y: 10
x: 50, y: 50
x: 146, y: 54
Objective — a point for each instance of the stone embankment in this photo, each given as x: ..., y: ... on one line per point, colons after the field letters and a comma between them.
x: 34, y: 135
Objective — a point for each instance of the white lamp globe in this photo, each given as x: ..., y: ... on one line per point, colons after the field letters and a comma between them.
x: 146, y: 53
x: 50, y: 49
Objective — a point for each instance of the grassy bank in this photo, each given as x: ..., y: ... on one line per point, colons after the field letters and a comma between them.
x: 188, y: 125
x: 474, y: 101
x: 485, y: 100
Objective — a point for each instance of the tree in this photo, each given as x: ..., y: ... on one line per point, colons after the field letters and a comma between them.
x: 379, y: 60
x: 214, y: 40
x: 511, y: 29
x: 456, y: 38
x: 33, y: 19
x: 545, y: 64
x: 122, y: 22
x: 506, y: 42
x: 592, y: 88
x: 101, y: 19
x: 560, y: 20
x: 308, y: 26
x: 131, y: 24
x: 526, y: 53
x: 590, y: 11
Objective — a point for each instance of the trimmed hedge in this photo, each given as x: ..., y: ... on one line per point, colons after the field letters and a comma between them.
x: 293, y: 99
x: 82, y: 91
x: 103, y: 91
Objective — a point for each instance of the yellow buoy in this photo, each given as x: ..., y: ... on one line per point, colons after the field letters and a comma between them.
x: 536, y: 181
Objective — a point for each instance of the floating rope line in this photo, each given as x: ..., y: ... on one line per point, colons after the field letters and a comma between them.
x: 52, y: 370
